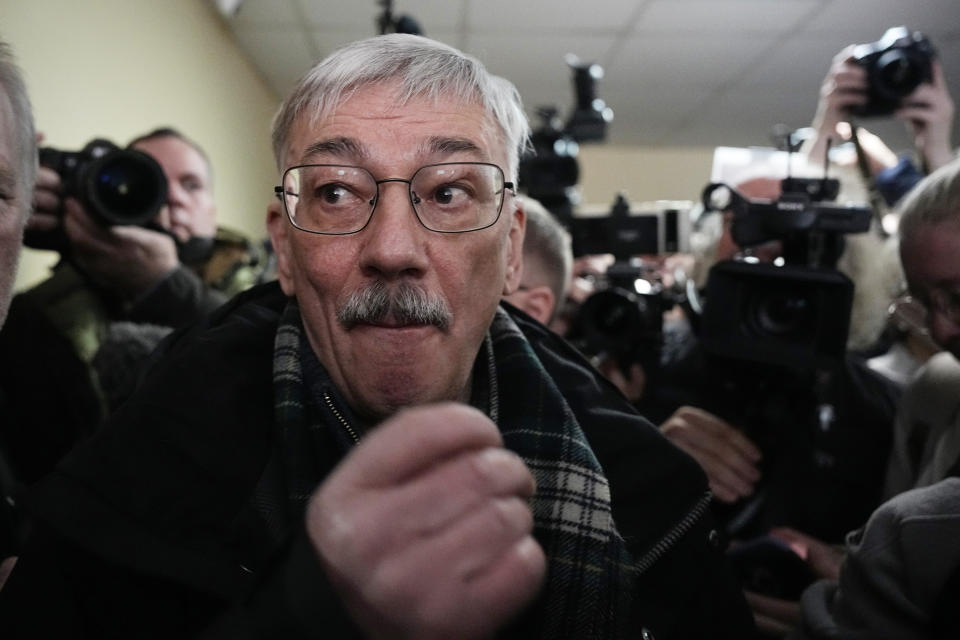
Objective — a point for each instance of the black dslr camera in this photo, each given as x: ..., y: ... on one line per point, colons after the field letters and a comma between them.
x: 896, y: 65
x: 116, y: 186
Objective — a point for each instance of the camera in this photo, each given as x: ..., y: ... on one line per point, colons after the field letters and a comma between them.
x: 896, y: 65
x: 652, y: 228
x: 550, y: 172
x: 797, y: 314
x: 116, y: 186
x: 623, y: 318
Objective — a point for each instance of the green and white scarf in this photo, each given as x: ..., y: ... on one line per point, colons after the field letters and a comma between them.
x: 588, y: 589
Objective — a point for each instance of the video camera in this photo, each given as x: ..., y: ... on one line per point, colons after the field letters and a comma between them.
x: 551, y: 171
x: 623, y: 319
x: 657, y: 228
x: 896, y: 65
x: 116, y: 186
x: 796, y: 314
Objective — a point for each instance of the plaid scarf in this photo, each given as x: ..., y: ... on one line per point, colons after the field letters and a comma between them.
x: 587, y: 593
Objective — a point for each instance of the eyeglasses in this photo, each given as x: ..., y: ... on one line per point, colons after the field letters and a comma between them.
x: 450, y: 197
x: 942, y: 301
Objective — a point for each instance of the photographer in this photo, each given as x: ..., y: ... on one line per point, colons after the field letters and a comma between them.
x: 900, y: 577
x: 928, y: 113
x: 117, y: 289
x: 166, y: 273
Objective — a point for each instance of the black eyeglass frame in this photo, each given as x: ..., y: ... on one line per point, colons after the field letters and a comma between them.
x: 280, y: 193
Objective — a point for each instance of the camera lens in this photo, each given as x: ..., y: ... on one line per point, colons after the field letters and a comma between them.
x: 898, y: 74
x: 782, y: 314
x: 610, y: 317
x: 126, y: 187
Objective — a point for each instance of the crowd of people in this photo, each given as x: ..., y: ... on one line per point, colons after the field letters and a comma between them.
x: 400, y: 441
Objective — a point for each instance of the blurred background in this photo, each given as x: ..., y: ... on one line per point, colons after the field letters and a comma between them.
x: 681, y: 76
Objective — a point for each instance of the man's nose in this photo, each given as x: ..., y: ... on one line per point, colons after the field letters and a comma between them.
x: 393, y: 242
x: 176, y: 197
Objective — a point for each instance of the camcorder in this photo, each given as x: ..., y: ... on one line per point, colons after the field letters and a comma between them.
x: 896, y: 65
x: 551, y: 171
x: 623, y: 318
x: 795, y: 315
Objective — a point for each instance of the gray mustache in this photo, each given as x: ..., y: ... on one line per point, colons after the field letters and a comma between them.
x: 405, y: 304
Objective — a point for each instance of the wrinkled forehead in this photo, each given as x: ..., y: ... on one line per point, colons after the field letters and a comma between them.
x: 392, y: 113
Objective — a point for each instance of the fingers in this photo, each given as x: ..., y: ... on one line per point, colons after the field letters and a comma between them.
x: 823, y: 558
x: 47, y: 191
x: 418, y: 438
x: 127, y: 260
x: 425, y: 528
x: 727, y: 456
x: 451, y: 490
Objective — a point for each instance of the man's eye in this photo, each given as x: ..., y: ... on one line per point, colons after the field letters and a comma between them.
x: 332, y: 193
x: 450, y: 194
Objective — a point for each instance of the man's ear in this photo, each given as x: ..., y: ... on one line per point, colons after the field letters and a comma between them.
x: 279, y: 229
x: 514, y: 247
x: 538, y: 302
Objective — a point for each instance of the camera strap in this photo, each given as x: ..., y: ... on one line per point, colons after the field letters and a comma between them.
x: 863, y: 164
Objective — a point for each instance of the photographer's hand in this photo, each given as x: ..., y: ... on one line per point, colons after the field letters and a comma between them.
x: 928, y: 113
x: 631, y: 384
x: 824, y: 559
x: 777, y: 616
x: 425, y: 528
x: 845, y: 86
x: 126, y: 260
x: 727, y: 456
x: 47, y: 202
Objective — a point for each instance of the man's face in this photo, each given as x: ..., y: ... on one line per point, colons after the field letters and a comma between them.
x: 753, y: 189
x: 383, y: 366
x: 190, y: 210
x: 932, y: 267
x: 13, y: 207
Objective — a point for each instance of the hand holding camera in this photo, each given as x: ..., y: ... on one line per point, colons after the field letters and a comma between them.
x: 928, y: 112
x: 126, y: 260
x: 96, y: 206
x: 897, y: 76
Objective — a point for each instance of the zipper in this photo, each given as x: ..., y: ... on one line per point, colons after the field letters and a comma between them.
x: 673, y: 535
x: 343, y: 421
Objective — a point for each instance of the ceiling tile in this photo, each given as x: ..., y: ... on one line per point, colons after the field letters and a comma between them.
x: 685, y: 59
x: 723, y: 16
x: 282, y: 56
x: 539, y: 16
x: 866, y: 20
x: 678, y: 72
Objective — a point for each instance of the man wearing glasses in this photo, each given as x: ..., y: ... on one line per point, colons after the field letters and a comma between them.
x: 373, y: 447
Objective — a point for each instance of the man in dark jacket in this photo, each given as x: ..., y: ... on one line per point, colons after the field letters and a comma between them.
x: 18, y: 166
x: 374, y: 447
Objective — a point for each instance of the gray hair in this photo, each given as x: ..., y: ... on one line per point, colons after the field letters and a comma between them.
x: 12, y: 82
x: 423, y: 68
x: 549, y: 245
x: 934, y: 200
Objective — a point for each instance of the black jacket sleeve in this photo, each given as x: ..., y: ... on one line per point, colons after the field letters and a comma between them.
x: 179, y: 299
